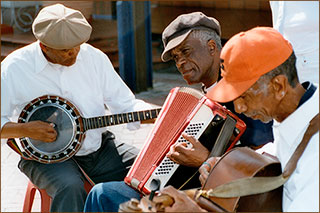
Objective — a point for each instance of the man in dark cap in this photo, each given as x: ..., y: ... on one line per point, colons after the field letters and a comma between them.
x: 193, y: 42
x: 60, y: 63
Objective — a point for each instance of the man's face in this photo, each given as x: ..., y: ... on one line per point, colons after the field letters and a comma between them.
x: 65, y: 57
x: 256, y: 103
x: 193, y: 60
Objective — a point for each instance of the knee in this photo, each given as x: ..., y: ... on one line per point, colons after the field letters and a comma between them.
x: 97, y: 190
x: 73, y: 187
x: 105, y: 192
x: 96, y: 200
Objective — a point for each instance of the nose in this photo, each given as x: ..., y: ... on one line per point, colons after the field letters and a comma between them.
x: 74, y: 51
x: 239, y: 105
x: 180, y: 61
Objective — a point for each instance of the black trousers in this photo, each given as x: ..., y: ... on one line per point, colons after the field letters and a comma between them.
x: 64, y: 181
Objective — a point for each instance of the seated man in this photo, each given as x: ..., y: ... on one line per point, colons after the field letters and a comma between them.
x: 193, y: 41
x: 260, y: 76
x: 61, y: 63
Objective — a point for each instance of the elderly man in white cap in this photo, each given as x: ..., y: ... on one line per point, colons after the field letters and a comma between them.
x: 60, y: 63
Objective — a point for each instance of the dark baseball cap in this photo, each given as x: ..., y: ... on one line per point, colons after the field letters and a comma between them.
x: 178, y: 30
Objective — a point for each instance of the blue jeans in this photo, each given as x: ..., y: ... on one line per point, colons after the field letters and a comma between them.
x: 106, y: 197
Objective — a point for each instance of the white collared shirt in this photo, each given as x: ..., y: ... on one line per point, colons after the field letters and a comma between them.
x: 301, y: 191
x: 205, y: 89
x: 90, y: 84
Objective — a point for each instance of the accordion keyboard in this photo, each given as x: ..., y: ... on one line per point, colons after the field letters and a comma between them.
x: 196, y: 127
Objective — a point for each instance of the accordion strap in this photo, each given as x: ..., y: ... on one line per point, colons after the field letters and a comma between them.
x: 223, y: 138
x: 257, y: 185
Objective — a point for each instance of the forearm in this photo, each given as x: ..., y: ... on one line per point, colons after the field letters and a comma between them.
x: 13, y: 130
x: 37, y: 130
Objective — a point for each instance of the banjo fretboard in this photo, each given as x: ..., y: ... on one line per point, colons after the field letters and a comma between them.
x: 109, y: 120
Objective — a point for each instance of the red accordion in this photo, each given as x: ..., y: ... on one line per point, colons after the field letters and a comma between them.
x: 185, y: 110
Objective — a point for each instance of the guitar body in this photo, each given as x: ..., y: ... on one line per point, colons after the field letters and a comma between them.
x: 240, y: 163
x: 236, y: 164
x: 70, y: 126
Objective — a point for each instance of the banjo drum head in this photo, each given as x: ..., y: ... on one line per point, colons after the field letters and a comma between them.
x: 67, y: 122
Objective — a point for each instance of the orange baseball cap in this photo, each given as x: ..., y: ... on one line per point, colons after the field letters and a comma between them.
x: 245, y: 58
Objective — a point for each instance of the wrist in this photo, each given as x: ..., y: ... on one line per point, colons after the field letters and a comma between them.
x: 207, y: 164
x: 205, y: 156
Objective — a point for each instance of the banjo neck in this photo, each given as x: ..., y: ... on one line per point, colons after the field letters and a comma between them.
x: 110, y: 120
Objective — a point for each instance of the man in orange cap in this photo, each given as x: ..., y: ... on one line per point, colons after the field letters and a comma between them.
x: 260, y: 77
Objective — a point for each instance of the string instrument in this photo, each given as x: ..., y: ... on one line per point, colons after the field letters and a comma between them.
x: 157, y: 204
x: 235, y: 164
x: 70, y: 125
x: 238, y: 163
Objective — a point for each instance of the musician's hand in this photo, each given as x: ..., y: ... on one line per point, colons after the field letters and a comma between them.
x: 206, y: 168
x: 193, y: 156
x: 182, y: 203
x: 39, y: 130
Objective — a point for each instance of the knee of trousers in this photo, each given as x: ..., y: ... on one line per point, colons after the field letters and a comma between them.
x: 71, y: 187
x: 97, y: 191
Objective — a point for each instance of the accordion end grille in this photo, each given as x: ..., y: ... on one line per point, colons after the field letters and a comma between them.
x: 191, y: 91
x: 159, y: 141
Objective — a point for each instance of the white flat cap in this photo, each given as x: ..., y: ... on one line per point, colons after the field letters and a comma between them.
x: 60, y: 27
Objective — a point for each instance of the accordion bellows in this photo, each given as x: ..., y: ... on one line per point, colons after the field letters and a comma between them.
x: 185, y: 110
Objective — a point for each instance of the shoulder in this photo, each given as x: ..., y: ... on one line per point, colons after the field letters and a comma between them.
x: 96, y: 59
x: 21, y: 58
x: 94, y: 55
x: 23, y: 53
x: 89, y: 49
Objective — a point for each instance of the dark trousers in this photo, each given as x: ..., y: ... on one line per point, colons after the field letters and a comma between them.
x: 64, y: 181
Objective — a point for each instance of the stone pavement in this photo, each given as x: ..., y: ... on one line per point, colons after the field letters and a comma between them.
x: 14, y: 183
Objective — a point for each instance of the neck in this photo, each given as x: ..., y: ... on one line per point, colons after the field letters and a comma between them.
x: 211, y: 78
x: 290, y: 102
x: 208, y: 84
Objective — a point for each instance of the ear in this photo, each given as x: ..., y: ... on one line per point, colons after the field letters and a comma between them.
x: 212, y: 46
x: 43, y: 47
x: 279, y: 86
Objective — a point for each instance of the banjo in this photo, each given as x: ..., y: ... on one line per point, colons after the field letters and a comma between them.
x: 70, y: 126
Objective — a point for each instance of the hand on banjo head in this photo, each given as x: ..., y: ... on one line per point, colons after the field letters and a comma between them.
x: 40, y: 130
